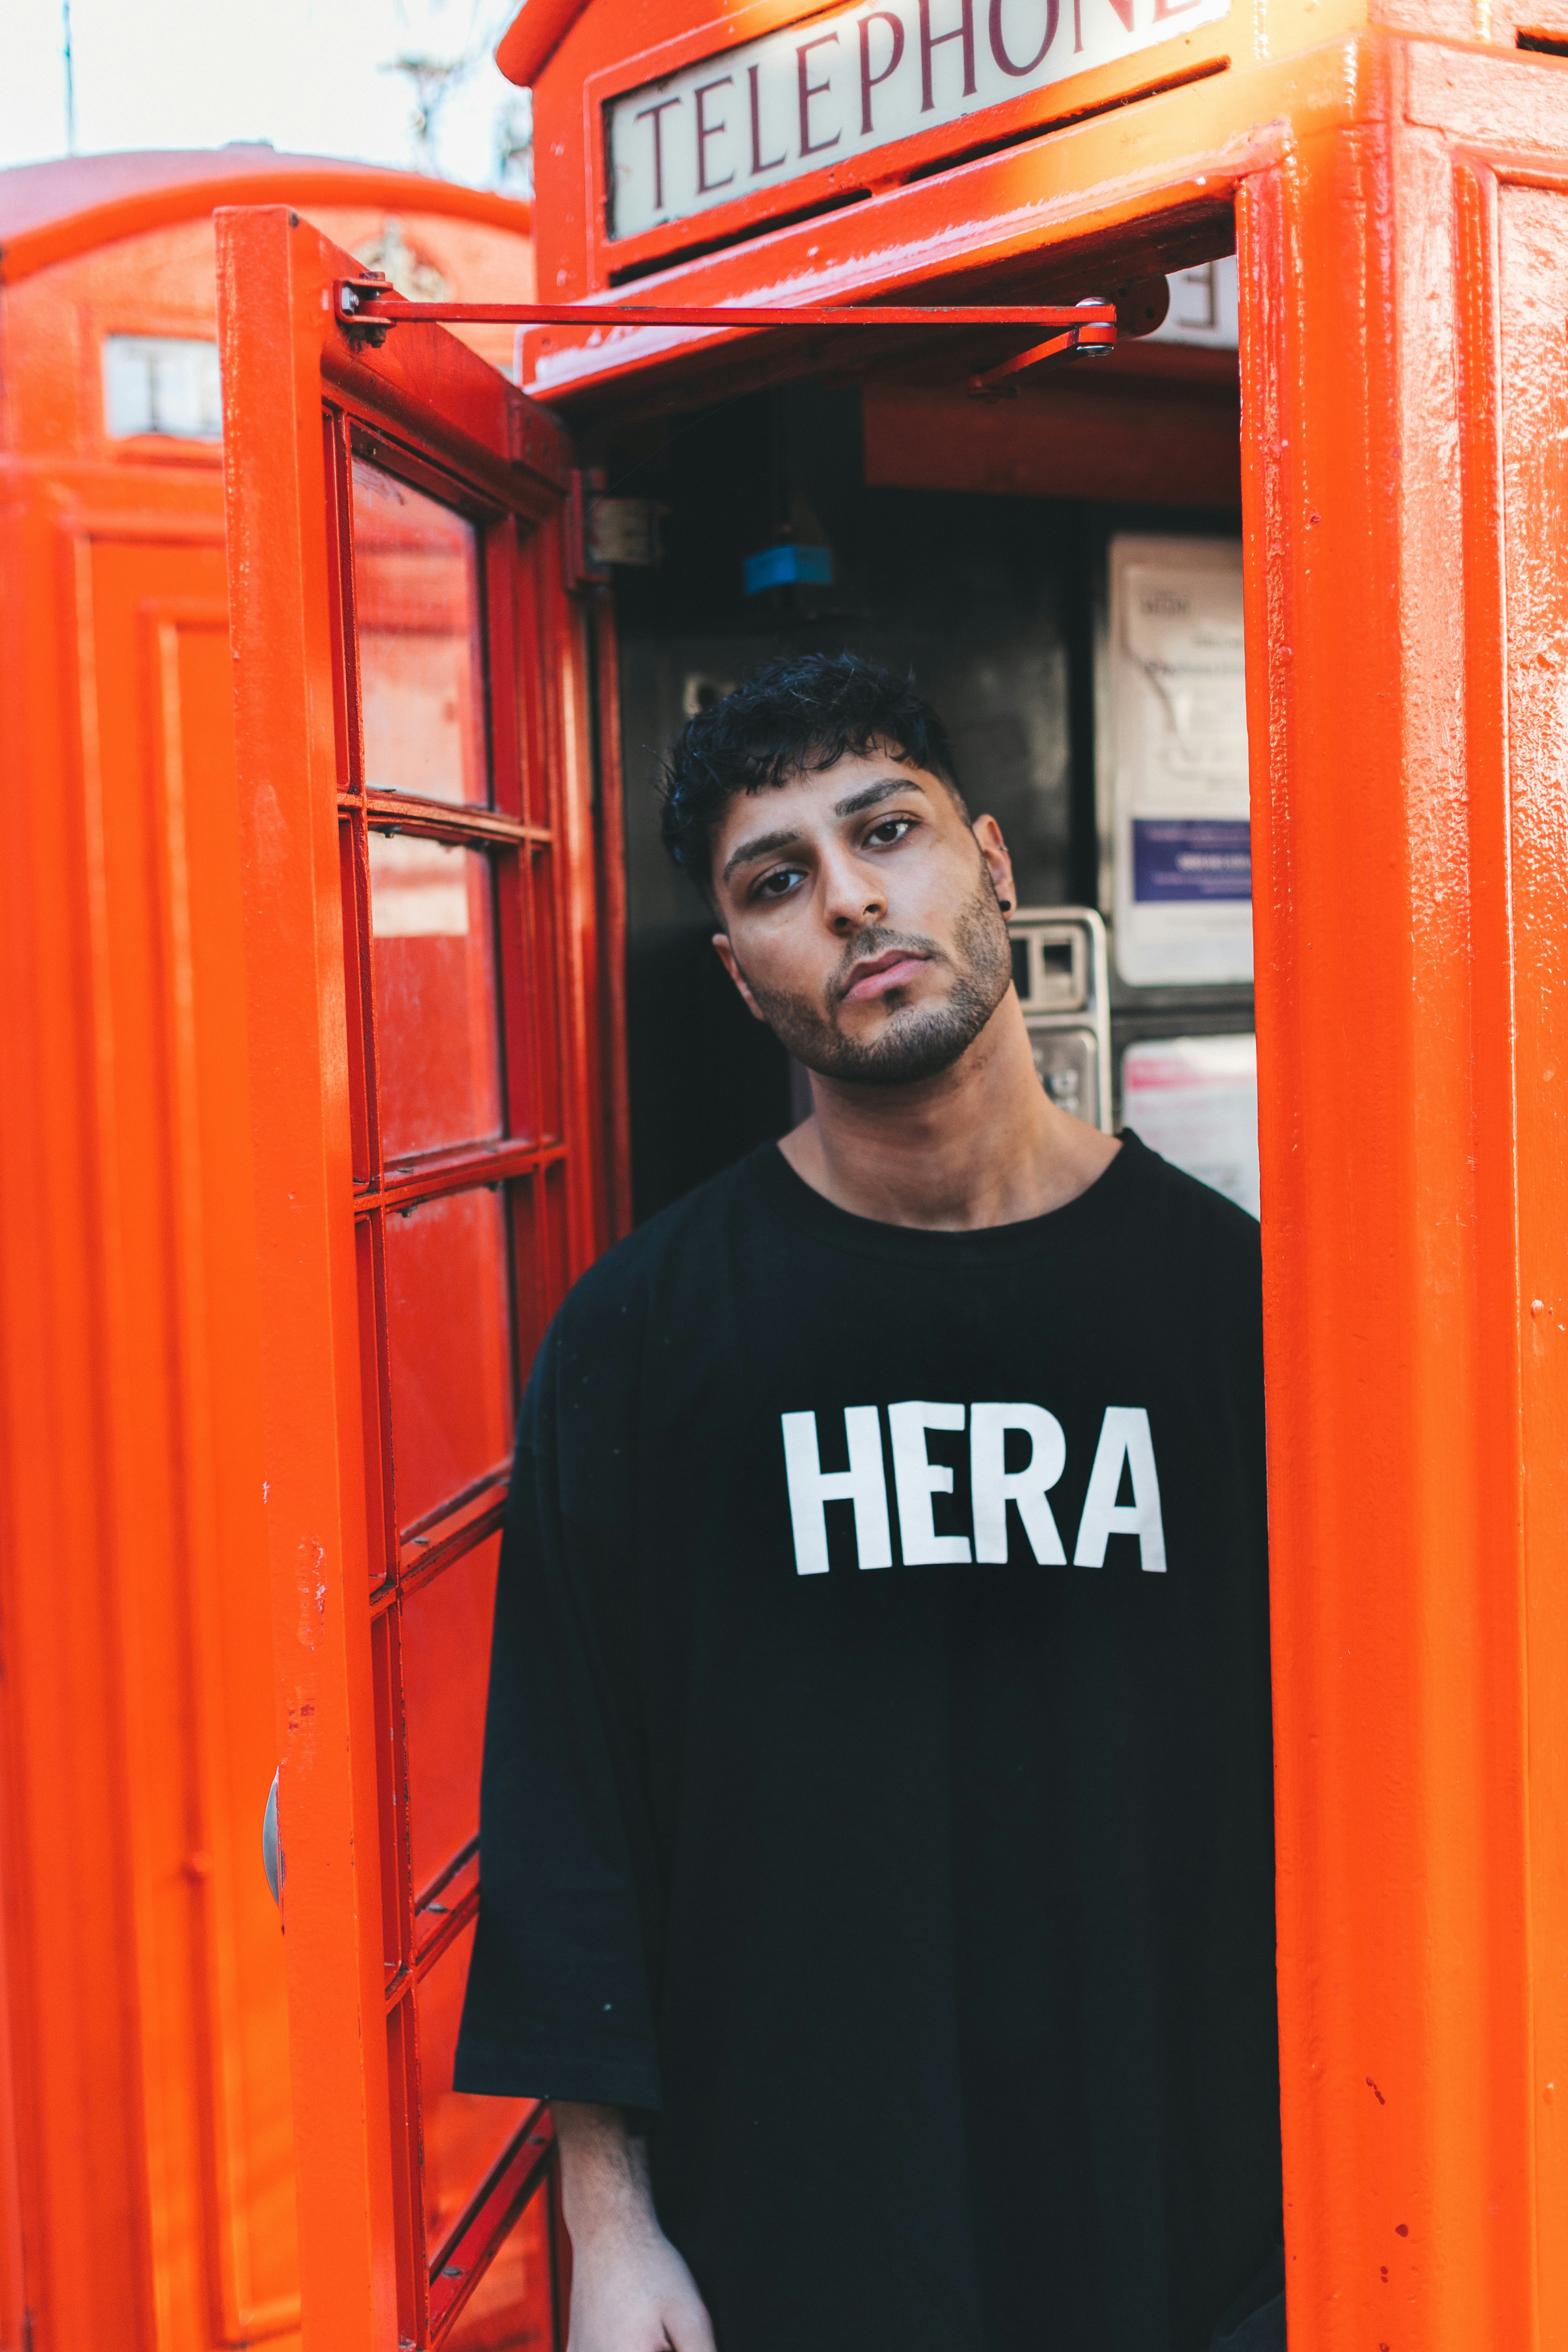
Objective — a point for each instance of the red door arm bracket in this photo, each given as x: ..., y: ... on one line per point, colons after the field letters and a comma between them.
x: 368, y: 307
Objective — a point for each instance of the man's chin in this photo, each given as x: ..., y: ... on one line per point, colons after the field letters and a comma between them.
x: 910, y: 1047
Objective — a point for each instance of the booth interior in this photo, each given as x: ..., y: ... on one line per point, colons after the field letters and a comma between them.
x: 1060, y: 569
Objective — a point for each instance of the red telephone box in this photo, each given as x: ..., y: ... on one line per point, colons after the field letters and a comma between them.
x: 147, y: 2178
x: 1392, y: 180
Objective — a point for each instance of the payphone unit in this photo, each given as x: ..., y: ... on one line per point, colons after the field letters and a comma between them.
x: 1061, y: 971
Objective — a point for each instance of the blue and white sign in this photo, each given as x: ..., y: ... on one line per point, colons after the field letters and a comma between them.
x: 1176, y: 860
x: 1176, y: 778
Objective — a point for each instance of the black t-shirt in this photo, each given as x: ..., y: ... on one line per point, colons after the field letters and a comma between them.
x: 877, y: 1778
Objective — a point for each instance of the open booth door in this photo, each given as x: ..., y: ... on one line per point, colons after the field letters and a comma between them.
x: 423, y: 942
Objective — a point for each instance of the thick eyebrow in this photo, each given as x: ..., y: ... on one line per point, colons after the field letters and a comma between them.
x: 765, y: 845
x: 762, y: 844
x: 869, y: 794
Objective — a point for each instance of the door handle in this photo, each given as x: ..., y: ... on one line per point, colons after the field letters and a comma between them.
x: 271, y: 1843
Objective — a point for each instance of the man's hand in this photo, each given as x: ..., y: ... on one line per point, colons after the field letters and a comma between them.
x: 630, y: 2290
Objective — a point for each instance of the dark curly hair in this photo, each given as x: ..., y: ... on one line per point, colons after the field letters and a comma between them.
x: 795, y: 716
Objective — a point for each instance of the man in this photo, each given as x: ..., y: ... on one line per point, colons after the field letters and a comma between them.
x: 876, y: 1861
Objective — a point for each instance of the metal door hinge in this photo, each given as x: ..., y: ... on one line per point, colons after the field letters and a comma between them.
x: 602, y: 531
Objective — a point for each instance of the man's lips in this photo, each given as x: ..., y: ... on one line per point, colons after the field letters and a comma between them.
x: 883, y: 973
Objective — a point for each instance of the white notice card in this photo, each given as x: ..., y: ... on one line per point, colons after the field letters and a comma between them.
x: 1194, y: 1101
x: 1178, y: 752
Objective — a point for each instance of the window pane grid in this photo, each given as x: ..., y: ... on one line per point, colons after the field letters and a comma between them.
x: 362, y: 1118
x: 532, y: 652
x: 446, y: 1905
x: 397, y: 1941
x: 516, y: 2219
x: 381, y: 1517
x: 545, y: 949
x: 345, y: 635
x: 439, y: 1915
x: 455, y: 1171
x: 403, y: 2075
x: 453, y: 1008
x: 423, y: 1553
x: 434, y: 970
x: 416, y: 563
x: 500, y: 607
x: 410, y: 815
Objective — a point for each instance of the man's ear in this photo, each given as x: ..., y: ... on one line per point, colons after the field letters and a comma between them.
x: 998, y: 864
x: 726, y: 957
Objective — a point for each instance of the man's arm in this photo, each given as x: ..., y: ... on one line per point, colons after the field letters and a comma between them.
x: 630, y: 2290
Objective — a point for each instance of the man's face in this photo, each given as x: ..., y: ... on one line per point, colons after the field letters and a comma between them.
x: 861, y: 919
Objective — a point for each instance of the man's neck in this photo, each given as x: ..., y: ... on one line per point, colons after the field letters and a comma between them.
x: 980, y: 1144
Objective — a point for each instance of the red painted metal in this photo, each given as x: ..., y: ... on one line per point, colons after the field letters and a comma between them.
x: 366, y: 309
x: 518, y: 2176
x: 1162, y: 413
x: 607, y: 51
x: 1393, y: 176
x: 147, y: 2188
x: 432, y: 1171
x: 362, y: 303
x: 1081, y: 343
x: 535, y: 36
x: 52, y: 211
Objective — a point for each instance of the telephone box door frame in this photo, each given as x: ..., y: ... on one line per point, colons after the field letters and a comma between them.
x: 1407, y: 613
x: 303, y: 401
x: 1403, y: 502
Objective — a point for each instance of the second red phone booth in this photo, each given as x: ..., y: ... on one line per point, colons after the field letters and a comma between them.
x: 147, y: 2185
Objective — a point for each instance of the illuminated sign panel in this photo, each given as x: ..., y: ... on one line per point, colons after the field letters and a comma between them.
x: 835, y: 87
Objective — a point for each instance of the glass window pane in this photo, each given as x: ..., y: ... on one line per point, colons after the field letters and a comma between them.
x: 449, y: 1314
x: 417, y: 599
x: 445, y: 1671
x: 463, y: 2134
x: 162, y: 383
x: 510, y: 2307
x: 438, y: 1043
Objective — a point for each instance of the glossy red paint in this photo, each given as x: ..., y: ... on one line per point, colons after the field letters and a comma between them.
x: 1088, y: 330
x: 431, y: 984
x: 147, y: 2181
x: 535, y: 36
x: 1160, y: 414
x: 361, y: 302
x: 1393, y: 177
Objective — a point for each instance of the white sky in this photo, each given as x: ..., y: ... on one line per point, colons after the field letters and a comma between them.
x: 302, y: 73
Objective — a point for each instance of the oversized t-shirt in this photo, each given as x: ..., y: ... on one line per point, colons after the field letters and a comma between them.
x: 878, y: 1781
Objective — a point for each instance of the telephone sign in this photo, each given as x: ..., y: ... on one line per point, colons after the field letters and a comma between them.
x: 753, y: 118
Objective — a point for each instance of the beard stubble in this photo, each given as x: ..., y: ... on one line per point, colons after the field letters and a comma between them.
x: 916, y: 1041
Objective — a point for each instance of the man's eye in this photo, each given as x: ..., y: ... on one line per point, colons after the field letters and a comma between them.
x: 779, y: 883
x: 891, y: 829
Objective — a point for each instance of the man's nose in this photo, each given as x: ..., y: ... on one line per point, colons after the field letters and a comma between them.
x: 852, y: 896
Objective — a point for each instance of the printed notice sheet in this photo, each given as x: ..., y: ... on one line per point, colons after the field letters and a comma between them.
x: 1181, y: 855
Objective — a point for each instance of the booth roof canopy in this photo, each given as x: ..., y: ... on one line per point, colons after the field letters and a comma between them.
x: 48, y: 211
x: 534, y: 35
